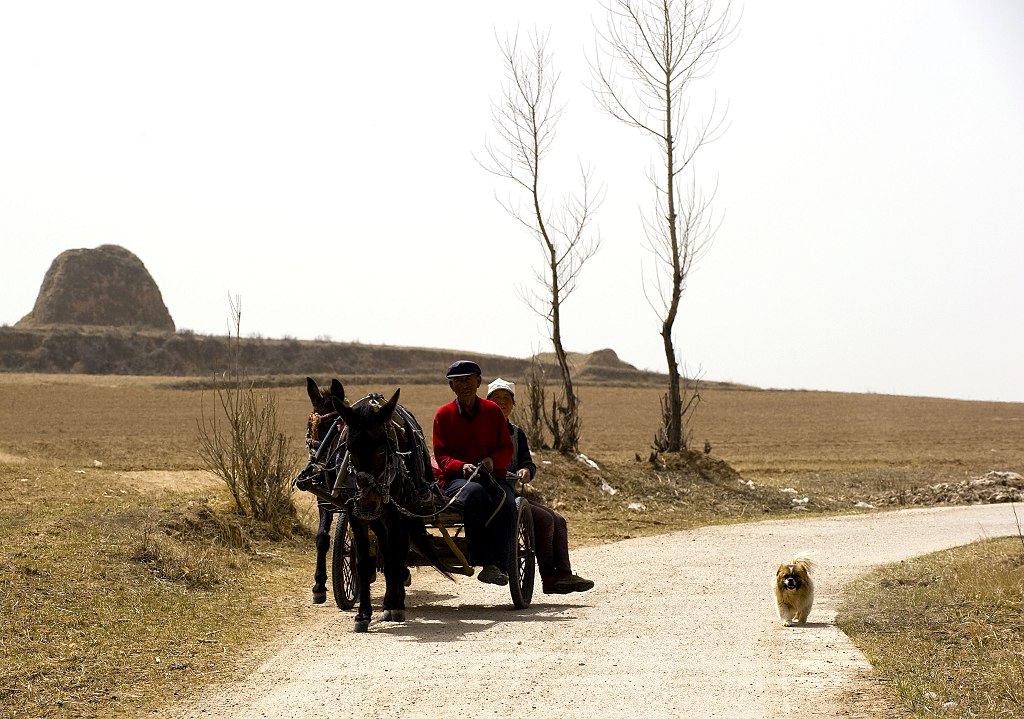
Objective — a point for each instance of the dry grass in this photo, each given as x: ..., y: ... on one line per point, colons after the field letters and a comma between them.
x: 947, y: 629
x: 115, y: 549
x: 115, y: 599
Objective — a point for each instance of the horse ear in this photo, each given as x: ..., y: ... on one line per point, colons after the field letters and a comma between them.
x: 313, y: 391
x: 337, y: 391
x: 388, y: 409
x: 347, y: 413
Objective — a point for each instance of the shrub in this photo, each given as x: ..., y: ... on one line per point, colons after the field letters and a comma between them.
x: 240, y: 442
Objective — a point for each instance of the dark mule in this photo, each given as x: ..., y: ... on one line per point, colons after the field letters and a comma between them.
x: 325, y: 403
x: 382, y: 481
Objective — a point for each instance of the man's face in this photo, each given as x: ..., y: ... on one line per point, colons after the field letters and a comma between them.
x: 465, y: 387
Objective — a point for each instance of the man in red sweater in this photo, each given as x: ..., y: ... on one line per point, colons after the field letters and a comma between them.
x: 470, y: 433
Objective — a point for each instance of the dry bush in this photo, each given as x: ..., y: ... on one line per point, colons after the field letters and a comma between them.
x: 240, y: 442
x: 531, y: 412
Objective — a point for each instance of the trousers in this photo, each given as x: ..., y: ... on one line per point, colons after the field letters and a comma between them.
x: 489, y: 539
x: 551, y: 536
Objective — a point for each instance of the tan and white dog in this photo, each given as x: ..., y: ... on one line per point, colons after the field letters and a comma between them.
x: 794, y: 589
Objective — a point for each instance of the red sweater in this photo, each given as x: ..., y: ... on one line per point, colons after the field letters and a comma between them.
x: 459, y: 439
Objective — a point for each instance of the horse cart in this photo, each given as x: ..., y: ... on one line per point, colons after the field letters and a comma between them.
x: 447, y: 534
x: 358, y: 501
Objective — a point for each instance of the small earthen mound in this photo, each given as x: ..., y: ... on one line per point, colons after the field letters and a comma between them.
x: 607, y: 358
x: 106, y: 287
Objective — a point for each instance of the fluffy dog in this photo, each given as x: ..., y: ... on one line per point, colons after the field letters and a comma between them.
x: 794, y: 590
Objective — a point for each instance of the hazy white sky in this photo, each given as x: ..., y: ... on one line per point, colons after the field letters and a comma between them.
x: 316, y: 158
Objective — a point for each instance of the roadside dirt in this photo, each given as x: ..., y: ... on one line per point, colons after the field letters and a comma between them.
x: 680, y: 625
x: 180, y: 481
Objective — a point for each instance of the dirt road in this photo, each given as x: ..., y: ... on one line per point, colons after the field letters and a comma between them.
x: 682, y: 625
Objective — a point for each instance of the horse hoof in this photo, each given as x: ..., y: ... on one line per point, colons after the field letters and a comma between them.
x: 319, y: 597
x: 394, y: 615
x: 361, y: 625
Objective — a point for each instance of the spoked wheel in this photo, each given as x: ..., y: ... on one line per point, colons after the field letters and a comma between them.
x: 344, y: 579
x: 522, y: 563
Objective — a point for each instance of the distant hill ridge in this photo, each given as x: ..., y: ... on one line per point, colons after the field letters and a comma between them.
x: 100, y: 312
x: 65, y: 349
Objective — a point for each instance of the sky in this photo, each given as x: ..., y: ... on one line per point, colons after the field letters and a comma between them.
x: 319, y: 161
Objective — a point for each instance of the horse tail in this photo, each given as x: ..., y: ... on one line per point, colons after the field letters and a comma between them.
x: 421, y: 542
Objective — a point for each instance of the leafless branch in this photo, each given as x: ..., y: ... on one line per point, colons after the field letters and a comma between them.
x: 525, y: 120
x: 651, y: 53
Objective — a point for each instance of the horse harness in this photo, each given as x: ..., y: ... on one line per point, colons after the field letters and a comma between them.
x: 397, y: 465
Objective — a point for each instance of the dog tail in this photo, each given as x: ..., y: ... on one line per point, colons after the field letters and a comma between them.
x: 806, y: 558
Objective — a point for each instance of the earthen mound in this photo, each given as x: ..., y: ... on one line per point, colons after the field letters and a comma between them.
x: 607, y: 358
x: 584, y: 361
x: 106, y: 287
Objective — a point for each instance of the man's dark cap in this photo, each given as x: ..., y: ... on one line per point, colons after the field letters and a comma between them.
x: 462, y: 368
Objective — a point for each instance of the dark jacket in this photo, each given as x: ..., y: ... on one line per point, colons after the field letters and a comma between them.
x: 521, y: 456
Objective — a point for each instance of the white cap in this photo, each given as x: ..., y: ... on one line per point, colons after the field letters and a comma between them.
x: 500, y: 383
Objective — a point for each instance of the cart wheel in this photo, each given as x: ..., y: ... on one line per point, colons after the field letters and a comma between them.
x: 345, y: 581
x: 522, y: 562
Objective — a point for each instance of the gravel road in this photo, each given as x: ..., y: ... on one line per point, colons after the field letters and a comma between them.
x: 681, y: 625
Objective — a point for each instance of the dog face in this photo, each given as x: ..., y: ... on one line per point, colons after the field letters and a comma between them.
x: 792, y: 577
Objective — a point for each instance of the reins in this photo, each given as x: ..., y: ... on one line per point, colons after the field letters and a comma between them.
x: 450, y: 502
x: 454, y: 499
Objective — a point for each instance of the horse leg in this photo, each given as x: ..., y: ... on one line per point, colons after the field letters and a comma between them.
x: 323, y: 543
x: 395, y: 572
x: 365, y: 569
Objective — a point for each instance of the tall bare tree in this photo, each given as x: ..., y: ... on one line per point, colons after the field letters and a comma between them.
x: 649, y: 55
x: 525, y: 121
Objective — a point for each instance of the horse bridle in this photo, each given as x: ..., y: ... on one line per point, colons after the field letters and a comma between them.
x: 394, y: 469
x: 312, y: 430
x: 366, y: 482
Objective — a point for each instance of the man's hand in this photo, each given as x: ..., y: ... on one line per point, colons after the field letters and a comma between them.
x: 486, y: 465
x: 524, y: 475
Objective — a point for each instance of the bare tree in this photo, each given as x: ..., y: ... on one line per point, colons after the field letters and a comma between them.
x: 649, y: 56
x: 525, y: 120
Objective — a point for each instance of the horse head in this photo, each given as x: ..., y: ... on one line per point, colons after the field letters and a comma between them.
x: 325, y: 402
x: 324, y: 435
x: 373, y: 453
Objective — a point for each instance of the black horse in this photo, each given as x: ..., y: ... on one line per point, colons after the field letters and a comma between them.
x: 325, y: 413
x: 380, y: 476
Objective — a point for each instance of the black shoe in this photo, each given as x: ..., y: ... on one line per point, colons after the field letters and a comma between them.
x: 493, y: 574
x: 568, y: 583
